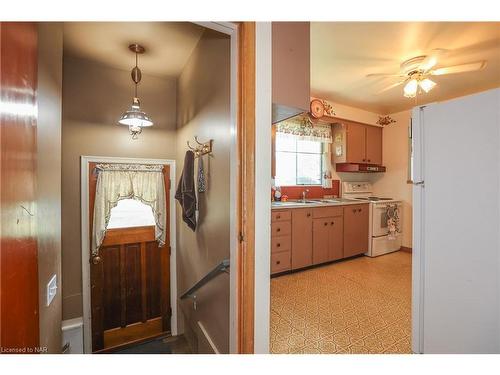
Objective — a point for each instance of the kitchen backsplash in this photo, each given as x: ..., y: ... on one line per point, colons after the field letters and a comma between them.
x: 295, y: 192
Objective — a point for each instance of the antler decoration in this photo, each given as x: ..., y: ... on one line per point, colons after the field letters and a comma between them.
x: 385, y: 120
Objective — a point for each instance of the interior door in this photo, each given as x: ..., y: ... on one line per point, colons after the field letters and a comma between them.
x: 130, y: 285
x: 18, y: 248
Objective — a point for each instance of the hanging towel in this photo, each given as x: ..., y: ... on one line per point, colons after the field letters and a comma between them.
x: 186, y: 193
x: 202, y: 187
x: 393, y: 222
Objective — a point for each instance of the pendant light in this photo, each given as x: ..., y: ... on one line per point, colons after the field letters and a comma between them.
x: 134, y: 118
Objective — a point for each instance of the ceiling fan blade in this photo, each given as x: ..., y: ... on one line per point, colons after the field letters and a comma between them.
x: 431, y: 59
x: 390, y: 87
x: 470, y: 67
x: 385, y: 75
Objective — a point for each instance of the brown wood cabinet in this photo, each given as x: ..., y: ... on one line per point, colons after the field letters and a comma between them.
x: 357, y: 143
x: 302, y: 231
x: 302, y: 237
x: 281, y: 241
x: 356, y: 223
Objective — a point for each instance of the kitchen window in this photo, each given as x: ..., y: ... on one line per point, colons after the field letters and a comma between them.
x: 298, y: 162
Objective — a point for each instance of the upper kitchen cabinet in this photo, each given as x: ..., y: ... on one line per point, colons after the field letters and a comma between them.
x: 357, y: 144
x: 290, y: 69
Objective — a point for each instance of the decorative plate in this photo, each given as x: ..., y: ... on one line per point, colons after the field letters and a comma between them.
x: 317, y: 108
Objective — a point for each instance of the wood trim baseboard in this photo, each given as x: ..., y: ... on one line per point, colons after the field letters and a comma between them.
x: 246, y: 185
x: 406, y: 249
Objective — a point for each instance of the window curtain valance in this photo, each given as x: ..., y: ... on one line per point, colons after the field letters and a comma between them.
x: 115, y: 182
x: 302, y: 127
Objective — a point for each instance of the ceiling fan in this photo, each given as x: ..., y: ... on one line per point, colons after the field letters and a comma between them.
x: 415, y: 72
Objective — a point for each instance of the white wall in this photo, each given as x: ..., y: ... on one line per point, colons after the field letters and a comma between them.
x: 395, y: 157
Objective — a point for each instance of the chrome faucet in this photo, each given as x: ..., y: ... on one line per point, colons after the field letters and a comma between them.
x: 304, y: 194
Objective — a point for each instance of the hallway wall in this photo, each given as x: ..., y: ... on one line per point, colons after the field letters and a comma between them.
x: 94, y: 97
x: 50, y: 39
x: 204, y: 110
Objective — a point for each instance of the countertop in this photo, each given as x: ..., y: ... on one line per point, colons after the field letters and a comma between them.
x: 315, y: 203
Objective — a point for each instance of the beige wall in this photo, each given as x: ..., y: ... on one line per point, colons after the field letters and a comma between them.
x: 204, y: 110
x: 393, y: 182
x: 49, y: 180
x: 94, y: 97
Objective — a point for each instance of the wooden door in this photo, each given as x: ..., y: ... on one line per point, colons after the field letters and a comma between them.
x: 336, y: 238
x: 19, y: 324
x: 373, y: 145
x: 356, y: 143
x: 131, y: 284
x: 301, y: 238
x: 321, y: 241
x: 355, y: 229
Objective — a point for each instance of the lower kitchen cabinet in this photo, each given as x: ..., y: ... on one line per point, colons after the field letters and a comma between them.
x: 302, y: 237
x: 302, y: 233
x: 327, y: 239
x: 356, y: 220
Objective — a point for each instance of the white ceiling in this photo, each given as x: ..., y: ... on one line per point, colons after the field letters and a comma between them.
x: 343, y: 53
x: 168, y: 44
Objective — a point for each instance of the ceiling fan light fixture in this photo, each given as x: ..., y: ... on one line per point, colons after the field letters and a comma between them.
x: 427, y: 84
x: 410, y: 89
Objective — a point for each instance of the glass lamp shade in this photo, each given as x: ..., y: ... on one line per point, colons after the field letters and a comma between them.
x: 134, y: 117
x: 427, y: 84
x: 410, y: 89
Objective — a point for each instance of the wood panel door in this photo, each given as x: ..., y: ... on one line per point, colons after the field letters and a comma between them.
x: 19, y: 318
x: 130, y: 286
x: 321, y: 240
x: 356, y: 143
x: 374, y: 145
x: 355, y: 229
x: 302, y: 242
x: 336, y: 238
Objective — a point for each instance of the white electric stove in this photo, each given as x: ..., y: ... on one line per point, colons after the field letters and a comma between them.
x: 381, y: 208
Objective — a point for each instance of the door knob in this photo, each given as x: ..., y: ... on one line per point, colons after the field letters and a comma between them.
x: 96, y: 259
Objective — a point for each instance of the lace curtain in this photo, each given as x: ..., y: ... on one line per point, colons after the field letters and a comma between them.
x: 115, y: 182
x: 303, y: 128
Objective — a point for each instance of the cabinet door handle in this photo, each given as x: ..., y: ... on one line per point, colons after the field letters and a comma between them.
x: 278, y: 230
x: 308, y: 215
x: 278, y: 217
x: 278, y: 244
x: 278, y: 262
x: 364, y: 159
x: 354, y: 210
x: 359, y: 209
x: 326, y: 223
x: 331, y: 223
x: 368, y: 160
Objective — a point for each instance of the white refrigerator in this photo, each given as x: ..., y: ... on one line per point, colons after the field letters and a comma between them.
x: 455, y: 173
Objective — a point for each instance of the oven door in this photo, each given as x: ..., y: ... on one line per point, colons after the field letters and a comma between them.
x: 379, y: 222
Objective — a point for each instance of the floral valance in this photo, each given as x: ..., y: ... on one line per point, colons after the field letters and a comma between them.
x: 115, y: 182
x: 303, y: 128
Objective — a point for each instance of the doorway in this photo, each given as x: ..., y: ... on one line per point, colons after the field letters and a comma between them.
x: 130, y: 288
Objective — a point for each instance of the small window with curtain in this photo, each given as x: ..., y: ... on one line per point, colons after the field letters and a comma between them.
x: 300, y: 148
x: 130, y: 213
x: 298, y: 162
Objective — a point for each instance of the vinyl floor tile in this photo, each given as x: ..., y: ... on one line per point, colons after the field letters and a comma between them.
x: 357, y: 306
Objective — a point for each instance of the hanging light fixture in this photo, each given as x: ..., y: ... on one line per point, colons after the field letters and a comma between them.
x: 134, y: 118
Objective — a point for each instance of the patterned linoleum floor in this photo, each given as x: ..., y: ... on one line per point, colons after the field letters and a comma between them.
x: 357, y: 306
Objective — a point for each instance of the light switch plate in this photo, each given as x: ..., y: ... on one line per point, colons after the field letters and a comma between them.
x: 51, y: 289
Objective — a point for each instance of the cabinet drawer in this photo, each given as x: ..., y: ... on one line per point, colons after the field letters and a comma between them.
x: 281, y: 228
x: 281, y: 216
x: 281, y: 262
x: 327, y: 212
x: 281, y: 243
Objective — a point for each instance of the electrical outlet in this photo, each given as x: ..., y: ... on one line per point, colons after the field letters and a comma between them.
x: 51, y: 289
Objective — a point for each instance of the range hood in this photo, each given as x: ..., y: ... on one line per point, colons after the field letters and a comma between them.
x: 358, y: 167
x: 290, y: 69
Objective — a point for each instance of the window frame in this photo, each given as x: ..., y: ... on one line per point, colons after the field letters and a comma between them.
x: 275, y: 151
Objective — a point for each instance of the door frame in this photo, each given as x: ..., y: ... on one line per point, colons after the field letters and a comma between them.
x: 85, y: 243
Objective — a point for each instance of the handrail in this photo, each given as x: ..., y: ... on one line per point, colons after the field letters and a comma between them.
x: 221, y: 267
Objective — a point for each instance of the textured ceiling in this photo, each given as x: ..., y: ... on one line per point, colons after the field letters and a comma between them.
x: 343, y: 53
x: 168, y: 44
